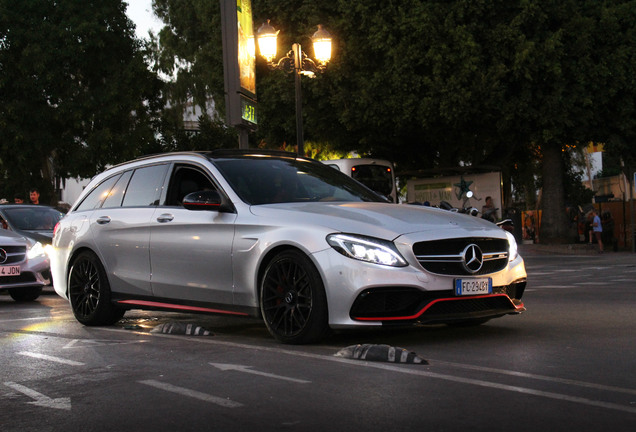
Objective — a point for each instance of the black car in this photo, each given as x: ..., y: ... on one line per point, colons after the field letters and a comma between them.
x: 33, y: 221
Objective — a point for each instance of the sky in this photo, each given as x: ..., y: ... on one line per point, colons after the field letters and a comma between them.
x: 140, y: 12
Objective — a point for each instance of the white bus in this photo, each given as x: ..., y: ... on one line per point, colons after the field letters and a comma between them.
x: 376, y: 174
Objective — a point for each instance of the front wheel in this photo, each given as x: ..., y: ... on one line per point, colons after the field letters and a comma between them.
x: 293, y: 300
x: 89, y: 292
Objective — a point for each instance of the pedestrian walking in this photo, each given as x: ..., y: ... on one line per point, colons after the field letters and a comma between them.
x: 597, y: 229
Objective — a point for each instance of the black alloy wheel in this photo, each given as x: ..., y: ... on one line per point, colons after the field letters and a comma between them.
x: 293, y: 300
x: 89, y: 292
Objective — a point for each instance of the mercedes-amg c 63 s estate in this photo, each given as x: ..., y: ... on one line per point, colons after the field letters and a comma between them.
x: 277, y: 236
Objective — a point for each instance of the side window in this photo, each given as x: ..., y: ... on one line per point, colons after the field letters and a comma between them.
x: 116, y: 194
x: 185, y: 180
x: 97, y: 195
x: 145, y: 186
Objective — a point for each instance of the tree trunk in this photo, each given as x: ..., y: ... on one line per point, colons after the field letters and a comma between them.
x: 553, y: 219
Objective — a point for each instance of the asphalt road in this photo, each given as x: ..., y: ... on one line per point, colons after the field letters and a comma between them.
x: 568, y: 363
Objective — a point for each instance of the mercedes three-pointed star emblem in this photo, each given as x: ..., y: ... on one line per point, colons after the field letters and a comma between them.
x: 473, y: 258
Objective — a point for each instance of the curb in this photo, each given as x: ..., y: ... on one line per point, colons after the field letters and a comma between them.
x: 564, y: 249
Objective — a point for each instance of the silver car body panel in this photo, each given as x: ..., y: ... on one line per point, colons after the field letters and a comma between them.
x: 154, y: 252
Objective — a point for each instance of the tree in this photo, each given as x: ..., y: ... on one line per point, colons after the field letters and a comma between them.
x: 441, y: 83
x: 75, y: 91
x: 189, y: 50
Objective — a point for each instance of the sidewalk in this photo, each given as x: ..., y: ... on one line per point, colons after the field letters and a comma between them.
x: 568, y: 249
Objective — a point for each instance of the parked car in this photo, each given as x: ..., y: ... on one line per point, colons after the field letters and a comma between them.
x: 253, y: 233
x: 33, y: 221
x: 24, y: 267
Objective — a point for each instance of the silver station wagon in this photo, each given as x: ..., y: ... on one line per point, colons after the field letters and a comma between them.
x: 271, y: 234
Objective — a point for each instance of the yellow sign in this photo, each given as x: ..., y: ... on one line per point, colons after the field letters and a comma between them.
x: 246, y: 47
x: 593, y: 147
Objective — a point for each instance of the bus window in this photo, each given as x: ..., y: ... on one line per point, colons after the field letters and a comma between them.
x: 376, y: 174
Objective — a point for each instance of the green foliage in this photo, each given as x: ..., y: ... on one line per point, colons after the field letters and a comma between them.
x: 437, y: 83
x: 426, y: 84
x: 75, y: 92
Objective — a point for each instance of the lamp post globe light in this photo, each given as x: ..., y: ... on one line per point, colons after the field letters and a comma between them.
x: 296, y: 61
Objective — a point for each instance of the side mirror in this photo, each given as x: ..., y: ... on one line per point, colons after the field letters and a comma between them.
x: 207, y: 200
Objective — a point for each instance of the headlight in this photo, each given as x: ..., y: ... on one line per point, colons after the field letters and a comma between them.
x: 513, y: 247
x: 367, y: 249
x: 35, y: 250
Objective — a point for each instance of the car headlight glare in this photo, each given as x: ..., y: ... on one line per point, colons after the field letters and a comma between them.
x: 367, y: 249
x: 512, y: 243
x: 35, y: 250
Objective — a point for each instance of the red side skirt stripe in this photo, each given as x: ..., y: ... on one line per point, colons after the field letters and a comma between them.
x: 179, y: 307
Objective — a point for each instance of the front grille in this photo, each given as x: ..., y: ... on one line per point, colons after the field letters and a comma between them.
x: 15, y: 254
x: 446, y: 256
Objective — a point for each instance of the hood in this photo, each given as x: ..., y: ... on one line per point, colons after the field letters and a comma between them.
x: 383, y: 220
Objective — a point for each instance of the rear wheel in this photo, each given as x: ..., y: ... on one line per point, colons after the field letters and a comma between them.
x: 25, y: 294
x: 293, y: 300
x: 89, y: 292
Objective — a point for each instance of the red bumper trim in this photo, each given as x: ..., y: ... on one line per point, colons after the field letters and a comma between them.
x: 518, y: 306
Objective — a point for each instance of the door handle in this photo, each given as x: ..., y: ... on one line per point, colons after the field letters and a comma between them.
x: 103, y: 220
x: 166, y: 217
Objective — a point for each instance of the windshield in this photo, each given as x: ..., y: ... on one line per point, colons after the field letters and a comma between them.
x: 33, y: 218
x: 265, y: 180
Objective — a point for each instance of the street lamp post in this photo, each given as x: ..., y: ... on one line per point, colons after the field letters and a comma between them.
x: 296, y: 61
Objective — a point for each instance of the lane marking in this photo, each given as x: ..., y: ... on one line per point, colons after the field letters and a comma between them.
x: 86, y: 343
x: 47, y: 318
x: 247, y: 369
x: 40, y: 399
x: 410, y: 371
x: 539, y: 377
x: 227, y: 403
x: 51, y: 358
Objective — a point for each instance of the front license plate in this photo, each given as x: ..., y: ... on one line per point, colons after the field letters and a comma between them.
x: 464, y: 287
x: 9, y: 270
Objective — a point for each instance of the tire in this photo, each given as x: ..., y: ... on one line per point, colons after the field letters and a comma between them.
x: 89, y: 292
x: 292, y: 299
x: 25, y: 294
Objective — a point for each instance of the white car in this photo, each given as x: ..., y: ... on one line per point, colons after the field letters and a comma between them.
x: 24, y: 266
x: 279, y: 236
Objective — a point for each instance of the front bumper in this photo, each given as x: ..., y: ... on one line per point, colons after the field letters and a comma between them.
x: 405, y: 306
x: 37, y: 273
x: 360, y: 294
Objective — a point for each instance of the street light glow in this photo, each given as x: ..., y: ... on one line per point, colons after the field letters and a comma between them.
x: 322, y: 45
x: 267, y: 36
